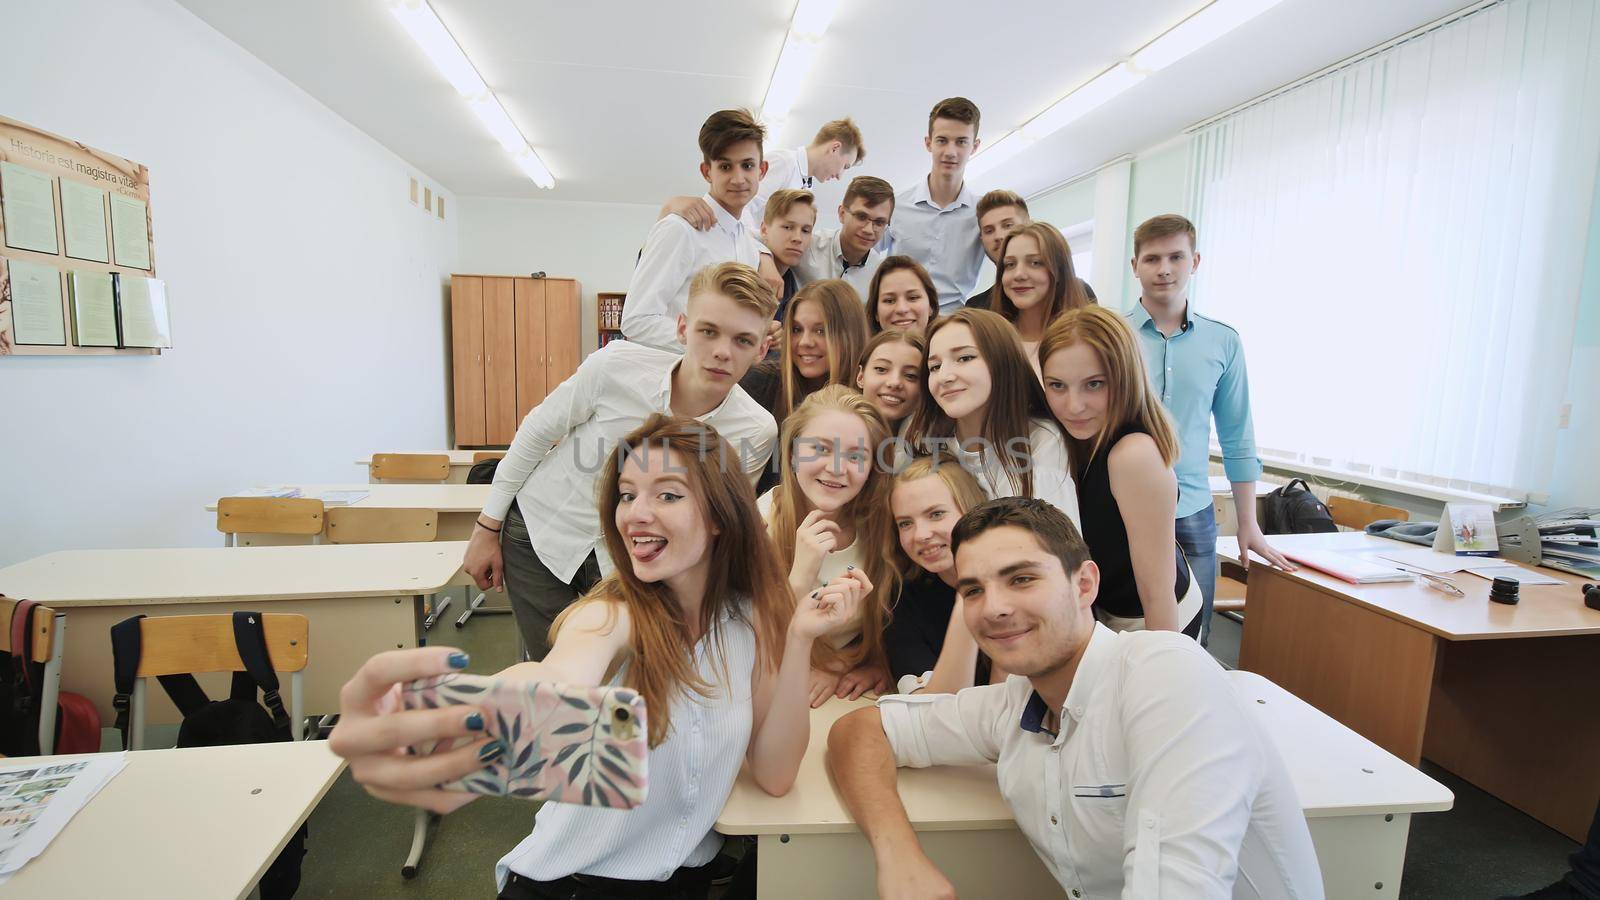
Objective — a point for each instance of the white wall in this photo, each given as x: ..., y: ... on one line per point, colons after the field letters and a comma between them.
x: 596, y: 243
x: 308, y: 307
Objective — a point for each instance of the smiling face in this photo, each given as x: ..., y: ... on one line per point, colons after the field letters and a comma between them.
x: 994, y: 225
x: 892, y: 379
x: 722, y: 339
x: 1026, y: 611
x: 958, y: 378
x: 735, y: 174
x: 788, y: 235
x: 903, y: 302
x: 808, y: 340
x: 951, y: 143
x: 662, y: 520
x: 1024, y: 275
x: 862, y: 226
x: 1078, y: 390
x: 832, y: 459
x: 924, y: 513
x: 1164, y: 266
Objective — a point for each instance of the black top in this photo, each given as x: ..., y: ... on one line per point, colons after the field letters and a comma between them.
x: 1107, y: 537
x: 982, y: 299
x: 763, y: 384
x: 916, y: 630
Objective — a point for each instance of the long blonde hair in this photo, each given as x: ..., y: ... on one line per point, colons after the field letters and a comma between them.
x: 1130, y: 401
x: 845, y: 322
x: 964, y: 490
x: 661, y: 664
x: 868, y: 511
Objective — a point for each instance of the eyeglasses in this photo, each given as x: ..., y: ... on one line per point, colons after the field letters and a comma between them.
x: 864, y: 220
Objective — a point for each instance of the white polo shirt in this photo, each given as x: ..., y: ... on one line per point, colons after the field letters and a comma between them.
x: 1159, y: 783
x: 674, y: 251
x: 824, y: 259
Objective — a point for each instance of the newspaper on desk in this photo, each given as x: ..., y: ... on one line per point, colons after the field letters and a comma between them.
x: 37, y: 801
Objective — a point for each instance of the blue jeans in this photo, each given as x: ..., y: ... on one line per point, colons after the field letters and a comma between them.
x: 1197, y: 535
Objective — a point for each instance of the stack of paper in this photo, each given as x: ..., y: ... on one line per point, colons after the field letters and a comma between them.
x: 341, y: 498
x: 36, y: 802
x: 1569, y: 540
x: 1347, y: 566
x: 279, y: 492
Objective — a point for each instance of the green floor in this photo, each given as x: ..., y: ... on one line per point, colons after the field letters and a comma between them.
x: 1480, y: 849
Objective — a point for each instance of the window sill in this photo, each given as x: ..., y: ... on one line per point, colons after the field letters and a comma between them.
x: 1395, y: 485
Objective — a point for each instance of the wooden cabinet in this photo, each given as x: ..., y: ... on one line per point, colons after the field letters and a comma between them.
x: 513, y: 340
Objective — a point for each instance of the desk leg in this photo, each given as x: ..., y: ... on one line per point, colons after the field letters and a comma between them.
x: 1369, y: 671
x: 1361, y: 856
x: 840, y: 866
x: 1517, y: 718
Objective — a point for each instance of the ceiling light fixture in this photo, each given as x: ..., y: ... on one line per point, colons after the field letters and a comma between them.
x: 422, y: 23
x: 806, y: 28
x: 1197, y: 31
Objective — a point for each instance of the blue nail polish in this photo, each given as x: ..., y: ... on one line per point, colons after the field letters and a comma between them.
x: 475, y: 722
x: 491, y: 752
x: 459, y: 660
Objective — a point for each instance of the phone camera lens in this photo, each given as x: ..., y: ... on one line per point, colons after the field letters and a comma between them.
x: 622, y: 715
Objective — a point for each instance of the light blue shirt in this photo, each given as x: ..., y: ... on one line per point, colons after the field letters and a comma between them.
x: 943, y: 238
x: 1199, y: 374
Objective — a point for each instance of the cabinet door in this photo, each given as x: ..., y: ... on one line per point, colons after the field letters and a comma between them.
x: 562, y: 317
x: 466, y: 358
x: 499, y: 361
x: 531, y: 386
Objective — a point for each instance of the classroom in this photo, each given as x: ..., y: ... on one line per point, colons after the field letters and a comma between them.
x: 792, y: 449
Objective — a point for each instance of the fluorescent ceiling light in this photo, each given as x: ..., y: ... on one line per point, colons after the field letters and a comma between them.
x: 999, y: 152
x: 806, y: 28
x: 422, y: 23
x: 1197, y: 31
x: 1082, y: 101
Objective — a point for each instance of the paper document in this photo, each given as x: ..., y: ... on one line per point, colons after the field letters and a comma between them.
x: 37, y: 801
x: 36, y: 303
x: 279, y: 492
x: 83, y: 217
x: 341, y: 498
x: 29, y: 204
x: 1440, y: 563
x: 94, y: 309
x: 1522, y: 575
x: 130, y: 232
x: 142, y: 303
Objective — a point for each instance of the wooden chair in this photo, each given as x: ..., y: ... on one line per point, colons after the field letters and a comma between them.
x: 1356, y: 514
x: 268, y: 515
x: 485, y: 455
x: 172, y: 645
x: 410, y: 468
x: 49, y: 636
x: 359, y: 525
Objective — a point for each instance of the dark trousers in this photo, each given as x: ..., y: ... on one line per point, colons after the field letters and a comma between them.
x: 1585, y: 874
x: 687, y: 884
x: 537, y: 596
x: 1197, y: 535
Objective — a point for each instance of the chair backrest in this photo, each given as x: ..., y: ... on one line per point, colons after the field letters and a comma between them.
x: 414, y: 467
x: 359, y: 525
x: 1355, y: 514
x: 171, y: 645
x: 269, y: 515
x: 482, y: 455
x: 44, y: 629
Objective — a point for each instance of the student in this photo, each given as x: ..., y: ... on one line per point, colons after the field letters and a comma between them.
x: 786, y: 231
x: 999, y: 211
x: 730, y: 145
x: 1037, y: 283
x: 1196, y: 368
x: 850, y: 251
x: 837, y: 147
x: 696, y: 618
x: 823, y: 339
x: 890, y: 374
x: 929, y: 646
x: 830, y: 515
x: 901, y: 296
x: 937, y: 223
x: 539, y: 533
x: 1127, y: 759
x: 1121, y: 447
x: 981, y: 403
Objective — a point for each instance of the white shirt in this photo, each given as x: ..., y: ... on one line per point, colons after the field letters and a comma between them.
x: 824, y: 259
x: 1160, y: 783
x: 786, y: 169
x: 691, y: 774
x: 1052, y: 479
x: 561, y: 447
x: 833, y: 565
x: 673, y: 253
x: 943, y: 238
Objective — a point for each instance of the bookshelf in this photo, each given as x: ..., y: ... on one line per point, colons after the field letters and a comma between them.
x: 608, y: 316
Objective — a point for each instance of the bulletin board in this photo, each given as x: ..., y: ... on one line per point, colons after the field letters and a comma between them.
x: 118, y: 239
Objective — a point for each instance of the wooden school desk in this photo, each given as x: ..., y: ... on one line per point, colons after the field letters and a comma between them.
x: 361, y: 599
x: 460, y: 462
x: 1502, y: 696
x: 458, y: 506
x: 1358, y: 802
x: 199, y: 822
x: 1222, y: 502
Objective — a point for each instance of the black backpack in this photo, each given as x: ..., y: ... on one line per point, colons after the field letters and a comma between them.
x: 216, y: 723
x: 1293, y: 509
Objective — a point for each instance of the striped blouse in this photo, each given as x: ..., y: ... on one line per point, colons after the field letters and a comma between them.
x: 691, y: 774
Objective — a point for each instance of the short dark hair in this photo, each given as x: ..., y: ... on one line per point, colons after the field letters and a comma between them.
x: 1056, y: 533
x: 870, y: 188
x: 998, y: 198
x: 727, y: 127
x: 958, y: 108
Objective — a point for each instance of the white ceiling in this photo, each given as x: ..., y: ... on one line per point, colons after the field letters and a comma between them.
x: 612, y: 94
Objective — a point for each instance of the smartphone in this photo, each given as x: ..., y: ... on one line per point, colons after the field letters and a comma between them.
x: 564, y: 744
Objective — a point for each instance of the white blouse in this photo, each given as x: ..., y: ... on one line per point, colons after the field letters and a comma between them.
x: 1052, y: 480
x: 833, y: 565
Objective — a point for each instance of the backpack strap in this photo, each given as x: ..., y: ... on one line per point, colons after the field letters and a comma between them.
x: 127, y: 650
x: 251, y: 640
x: 21, y: 647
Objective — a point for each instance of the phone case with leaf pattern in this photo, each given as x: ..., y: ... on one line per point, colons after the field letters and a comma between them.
x: 563, y: 744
